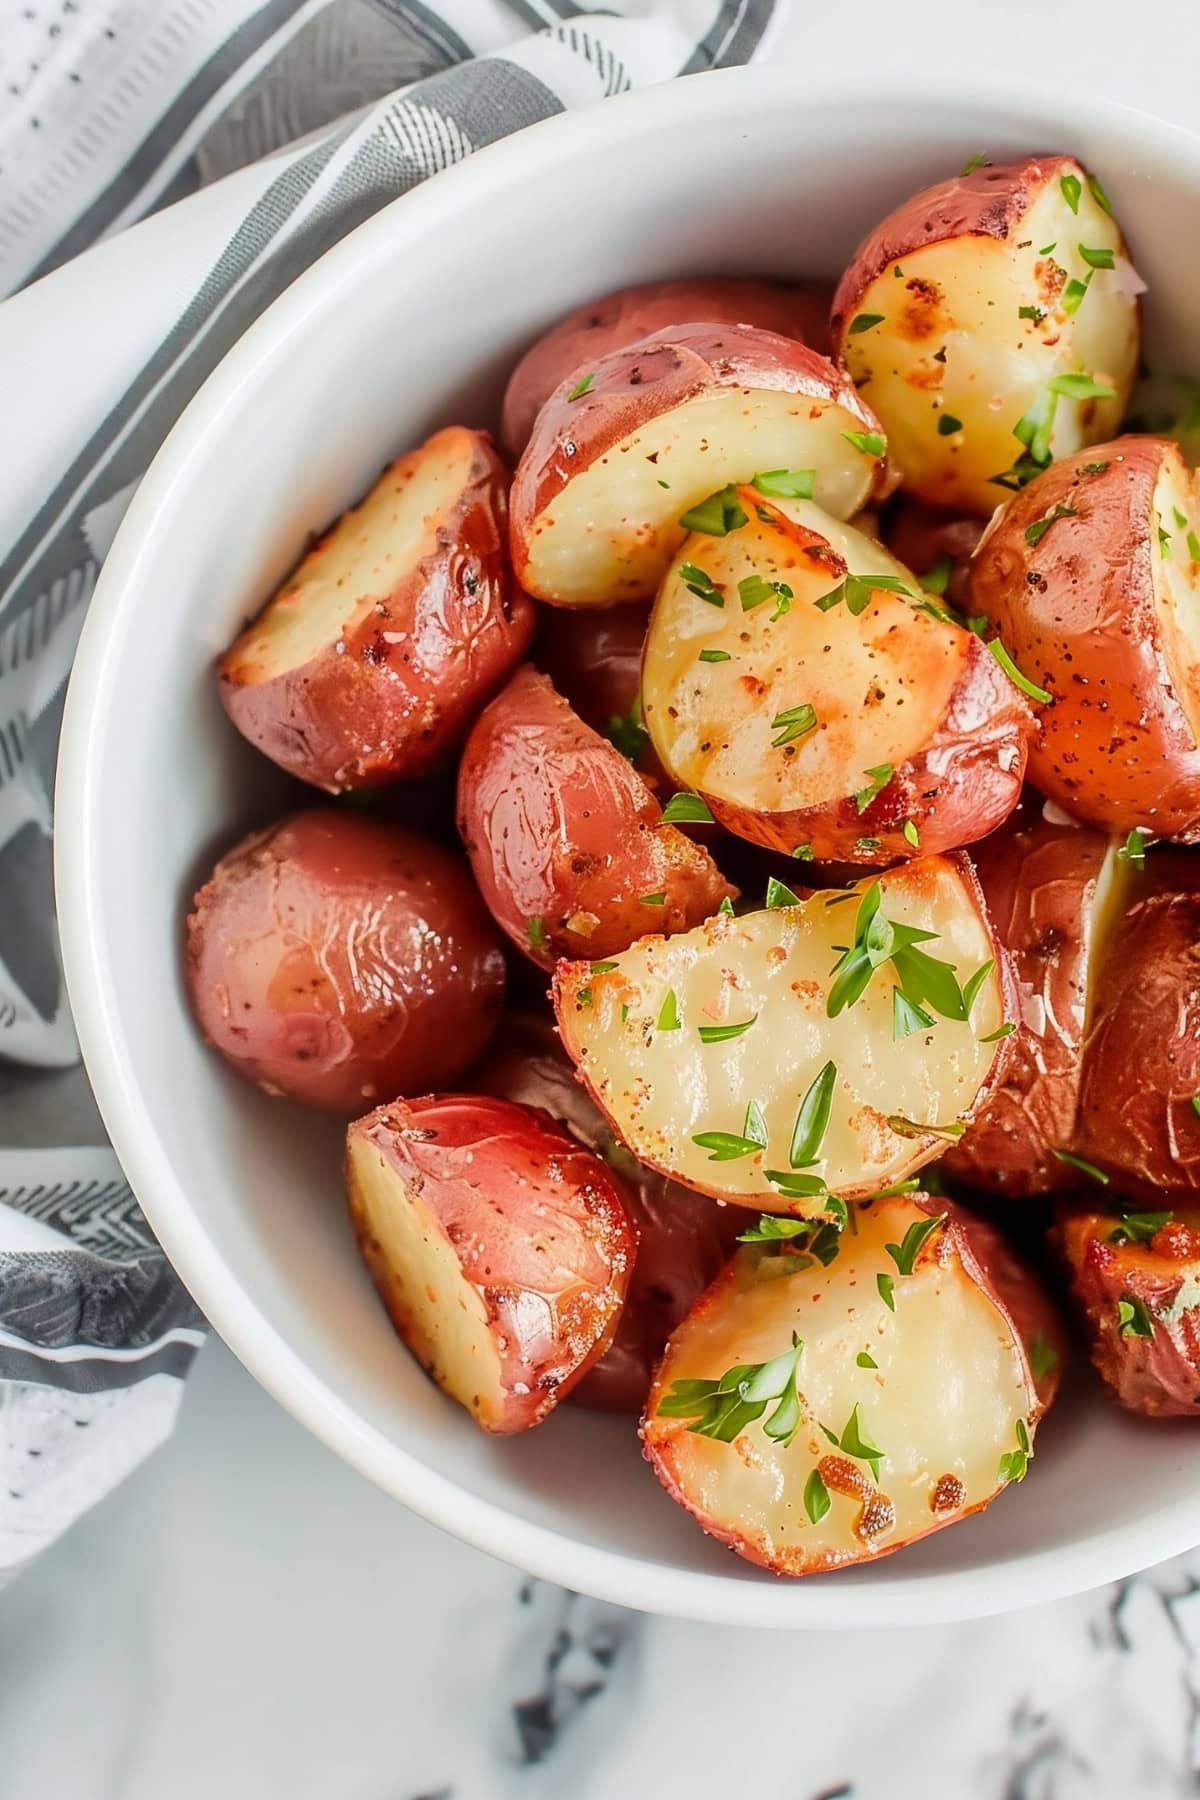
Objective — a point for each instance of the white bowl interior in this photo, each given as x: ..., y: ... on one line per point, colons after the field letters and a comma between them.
x: 410, y: 324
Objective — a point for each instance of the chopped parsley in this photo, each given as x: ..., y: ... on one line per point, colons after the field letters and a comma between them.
x: 1071, y: 187
x: 865, y: 1360
x: 978, y: 161
x: 627, y: 732
x: 936, y: 580
x: 1014, y: 674
x: 1081, y: 1163
x: 724, y: 1408
x: 1133, y: 1320
x: 581, y: 387
x: 728, y: 1146
x: 771, y: 1228
x: 1042, y: 1355
x: 863, y: 322
x: 699, y: 582
x: 687, y: 809
x: 1014, y: 1465
x: 1101, y: 258
x: 812, y: 1119
x: 1096, y: 189
x: 855, y: 1443
x: 909, y: 1128
x: 887, y: 1290
x: 880, y: 775
x: 905, y: 1255
x: 1133, y: 850
x: 713, y: 656
x: 754, y: 591
x: 1036, y: 313
x: 1080, y: 387
x: 786, y: 484
x: 856, y: 591
x: 653, y: 900
x: 717, y: 1034
x: 792, y: 724
x: 668, y: 1012
x: 871, y: 443
x: 1139, y: 1227
x: 722, y: 512
x: 947, y: 424
x: 908, y: 1017
x: 803, y: 853
x: 1036, y: 532
x: 1001, y: 1031
x: 779, y: 894
x: 910, y: 834
x: 816, y: 1497
x: 538, y: 938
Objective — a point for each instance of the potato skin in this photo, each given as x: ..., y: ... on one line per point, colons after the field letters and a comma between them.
x: 1078, y: 612
x: 1158, y: 1375
x: 399, y: 687
x: 1141, y: 1055
x: 333, y: 959
x: 987, y: 1253
x: 560, y: 827
x: 578, y: 341
x: 654, y: 376
x: 539, y: 1228
x: 1039, y: 880
x: 920, y: 536
x: 683, y: 1238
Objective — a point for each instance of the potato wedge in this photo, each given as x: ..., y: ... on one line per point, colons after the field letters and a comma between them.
x: 613, y: 466
x: 373, y: 657
x: 967, y: 307
x: 875, y: 1393
x: 683, y: 1238
x: 819, y: 712
x: 1138, y: 1118
x: 501, y: 1248
x: 1135, y: 1277
x: 567, y: 842
x: 1054, y: 891
x: 1092, y: 575
x: 334, y: 959
x: 715, y: 1057
x: 575, y: 345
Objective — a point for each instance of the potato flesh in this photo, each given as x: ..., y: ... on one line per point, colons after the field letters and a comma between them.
x: 944, y: 1400
x: 963, y: 296
x: 370, y: 549
x: 880, y: 682
x: 1177, y: 583
x: 440, y: 1315
x: 611, y: 531
x: 660, y: 1088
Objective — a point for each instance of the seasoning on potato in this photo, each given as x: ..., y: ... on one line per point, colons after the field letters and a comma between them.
x: 501, y: 1248
x: 336, y: 960
x: 370, y: 661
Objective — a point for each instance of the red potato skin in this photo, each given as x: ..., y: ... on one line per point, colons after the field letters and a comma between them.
x: 573, y: 347
x: 1141, y: 1055
x: 398, y: 690
x: 1077, y: 612
x: 1038, y: 879
x: 333, y: 959
x: 638, y: 383
x: 539, y: 1227
x: 1160, y: 1375
x: 989, y: 202
x: 560, y: 827
x: 683, y: 1238
x: 920, y: 535
x: 593, y: 655
x: 989, y: 1260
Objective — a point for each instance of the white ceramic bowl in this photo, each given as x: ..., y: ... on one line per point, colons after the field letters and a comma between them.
x: 411, y: 323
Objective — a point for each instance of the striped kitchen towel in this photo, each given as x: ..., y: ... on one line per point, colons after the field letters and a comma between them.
x: 256, y: 135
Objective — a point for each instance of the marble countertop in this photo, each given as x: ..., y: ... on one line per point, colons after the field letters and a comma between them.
x: 247, y: 1618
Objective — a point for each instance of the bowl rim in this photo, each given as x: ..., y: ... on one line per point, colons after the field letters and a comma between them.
x: 738, y: 1597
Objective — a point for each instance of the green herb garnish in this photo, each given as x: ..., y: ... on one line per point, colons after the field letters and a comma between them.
x: 1133, y: 850
x: 816, y: 1497
x: 1036, y: 313
x: 581, y: 387
x: 1014, y: 674
x: 865, y: 1360
x: 722, y: 512
x: 880, y: 775
x: 711, y: 656
x: 538, y: 939
x: 1036, y: 532
x: 627, y: 733
x: 1139, y: 1227
x: 856, y: 1444
x: 905, y: 1255
x: 978, y: 161
x: 786, y: 484
x: 863, y: 322
x: 947, y: 424
x: 1071, y: 187
x: 1042, y: 1356
x: 699, y: 582
x: 871, y: 443
x: 668, y: 1012
x: 686, y: 809
x: 723, y: 1409
x: 856, y: 591
x: 1133, y: 1320
x: 792, y: 724
x: 1081, y: 1163
x: 887, y: 1290
x: 910, y: 834
x: 812, y: 1119
x: 908, y: 1017
x: 779, y: 894
x: 727, y: 1146
x: 717, y: 1034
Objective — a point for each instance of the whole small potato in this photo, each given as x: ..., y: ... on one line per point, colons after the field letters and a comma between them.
x: 577, y: 342
x: 1135, y: 1276
x: 1054, y: 891
x: 373, y: 657
x: 1138, y: 1116
x: 1092, y: 576
x: 683, y: 1238
x: 501, y: 1248
x: 333, y: 959
x: 567, y: 842
x: 993, y: 320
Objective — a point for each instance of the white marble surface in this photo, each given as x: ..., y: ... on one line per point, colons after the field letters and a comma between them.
x: 248, y: 1619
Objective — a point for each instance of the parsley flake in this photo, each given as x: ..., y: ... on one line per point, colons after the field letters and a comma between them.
x: 792, y: 724
x: 786, y: 484
x: 863, y: 322
x: 717, y: 1034
x: 1071, y: 187
x: 721, y: 513
x: 1081, y: 1163
x: 1133, y: 1320
x: 871, y: 443
x: 668, y: 1013
x: 686, y: 809
x: 581, y: 387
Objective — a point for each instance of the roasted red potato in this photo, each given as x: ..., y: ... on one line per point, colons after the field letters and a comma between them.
x: 1092, y: 575
x: 617, y: 467
x: 1136, y: 1279
x: 1054, y: 890
x: 683, y: 1238
x: 334, y: 959
x: 593, y: 655
x: 809, y: 1050
x: 501, y: 1248
x: 1138, y: 1116
x: 371, y: 660
x: 936, y: 545
x: 567, y: 842
x: 573, y: 347
x: 797, y: 678
x: 818, y: 1410
x: 994, y: 321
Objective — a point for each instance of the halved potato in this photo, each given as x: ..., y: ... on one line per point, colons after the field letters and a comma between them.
x: 566, y: 841
x: 1138, y: 1118
x: 501, y: 1248
x: 714, y: 1055
x: 573, y: 347
x: 966, y: 306
x: 1136, y: 1279
x: 1054, y: 891
x: 683, y: 1237
x: 817, y: 711
x: 1092, y: 575
x: 373, y: 657
x: 871, y: 1397
x: 661, y: 427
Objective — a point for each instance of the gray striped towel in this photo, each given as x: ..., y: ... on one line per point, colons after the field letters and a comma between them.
x: 269, y: 131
